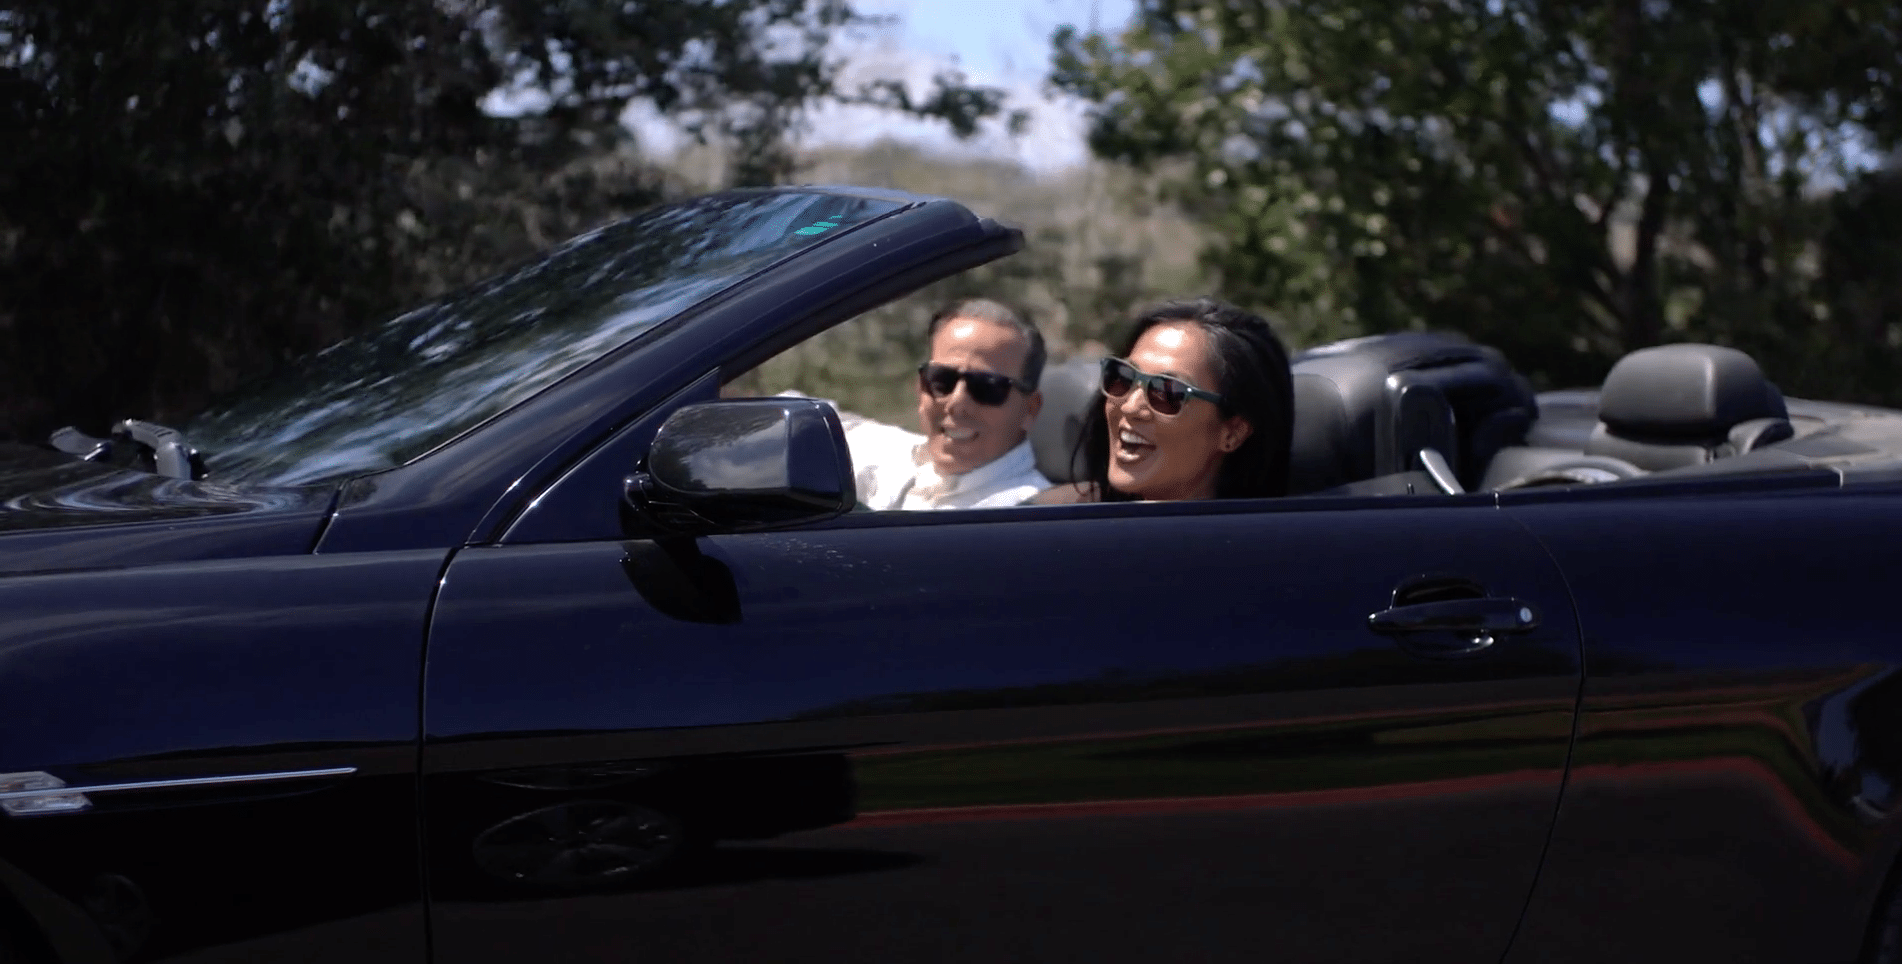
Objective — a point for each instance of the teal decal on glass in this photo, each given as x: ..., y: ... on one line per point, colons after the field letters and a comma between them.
x: 818, y: 227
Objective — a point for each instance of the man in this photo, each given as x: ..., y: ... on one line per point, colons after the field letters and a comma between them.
x: 977, y: 397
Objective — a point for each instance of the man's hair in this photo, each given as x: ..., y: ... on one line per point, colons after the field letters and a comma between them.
x: 996, y: 312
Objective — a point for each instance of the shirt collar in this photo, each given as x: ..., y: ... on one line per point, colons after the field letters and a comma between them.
x: 1019, y: 460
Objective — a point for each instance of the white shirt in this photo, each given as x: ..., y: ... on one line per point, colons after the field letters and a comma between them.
x: 1007, y: 480
x: 893, y: 472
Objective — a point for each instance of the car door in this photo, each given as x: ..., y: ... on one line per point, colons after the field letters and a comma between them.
x: 213, y: 760
x: 1110, y: 732
x: 1733, y: 793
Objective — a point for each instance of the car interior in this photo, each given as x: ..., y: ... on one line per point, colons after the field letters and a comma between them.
x: 1426, y: 413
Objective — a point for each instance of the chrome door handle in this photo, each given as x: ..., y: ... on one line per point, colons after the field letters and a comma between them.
x: 1452, y: 628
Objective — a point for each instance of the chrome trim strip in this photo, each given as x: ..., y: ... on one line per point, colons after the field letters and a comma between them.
x: 181, y: 782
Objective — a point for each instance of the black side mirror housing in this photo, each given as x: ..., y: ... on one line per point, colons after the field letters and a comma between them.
x: 740, y: 465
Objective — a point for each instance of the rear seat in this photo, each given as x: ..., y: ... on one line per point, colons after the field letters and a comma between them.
x: 1680, y: 405
x: 1368, y: 407
x: 1664, y: 408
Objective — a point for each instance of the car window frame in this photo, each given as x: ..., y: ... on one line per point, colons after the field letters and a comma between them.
x: 468, y: 491
x: 543, y: 489
x: 450, y: 305
x: 558, y: 495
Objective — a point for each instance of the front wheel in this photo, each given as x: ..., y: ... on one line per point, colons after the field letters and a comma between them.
x: 19, y: 943
x: 1885, y: 931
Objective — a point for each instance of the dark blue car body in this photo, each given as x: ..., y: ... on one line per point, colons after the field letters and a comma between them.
x: 461, y: 710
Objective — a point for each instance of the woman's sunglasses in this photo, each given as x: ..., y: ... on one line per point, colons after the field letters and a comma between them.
x: 985, y: 388
x: 1166, y: 393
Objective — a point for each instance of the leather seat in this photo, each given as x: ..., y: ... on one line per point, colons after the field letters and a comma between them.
x: 1366, y: 407
x: 1687, y: 404
x: 1333, y: 437
x: 1069, y: 389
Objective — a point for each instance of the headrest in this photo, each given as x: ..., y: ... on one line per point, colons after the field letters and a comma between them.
x: 1069, y: 389
x: 1686, y: 392
x: 1339, y: 390
x: 1348, y: 393
x: 1330, y: 446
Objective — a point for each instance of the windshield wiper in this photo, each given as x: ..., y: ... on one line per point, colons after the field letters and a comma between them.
x: 72, y: 441
x: 170, y: 455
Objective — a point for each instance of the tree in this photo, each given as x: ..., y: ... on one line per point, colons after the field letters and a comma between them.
x: 193, y: 191
x: 1567, y: 180
x: 1095, y: 252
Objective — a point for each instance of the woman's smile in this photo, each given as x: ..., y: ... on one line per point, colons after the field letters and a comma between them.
x: 1131, y: 446
x: 1176, y: 456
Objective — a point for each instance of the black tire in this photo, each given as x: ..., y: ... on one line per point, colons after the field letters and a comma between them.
x: 12, y: 949
x: 19, y: 943
x: 1885, y: 927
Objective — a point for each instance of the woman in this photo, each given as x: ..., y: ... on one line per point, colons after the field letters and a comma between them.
x: 1198, y: 405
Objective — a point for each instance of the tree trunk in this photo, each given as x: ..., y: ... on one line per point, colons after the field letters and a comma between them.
x: 1643, y: 311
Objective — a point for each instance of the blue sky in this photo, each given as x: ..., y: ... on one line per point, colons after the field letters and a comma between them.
x: 1001, y: 38
x: 996, y: 43
x: 1001, y: 43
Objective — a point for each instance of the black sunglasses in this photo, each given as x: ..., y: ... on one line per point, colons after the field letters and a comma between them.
x: 985, y: 388
x: 1166, y: 393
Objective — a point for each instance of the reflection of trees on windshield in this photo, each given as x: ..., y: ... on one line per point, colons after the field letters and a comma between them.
x: 394, y: 392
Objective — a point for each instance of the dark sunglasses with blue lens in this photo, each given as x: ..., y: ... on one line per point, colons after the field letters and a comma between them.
x: 1166, y: 393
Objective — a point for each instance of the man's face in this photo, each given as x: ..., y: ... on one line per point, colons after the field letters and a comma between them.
x: 960, y: 434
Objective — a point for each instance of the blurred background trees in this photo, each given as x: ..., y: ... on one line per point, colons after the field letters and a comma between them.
x: 1566, y: 180
x: 194, y: 191
x: 1098, y: 246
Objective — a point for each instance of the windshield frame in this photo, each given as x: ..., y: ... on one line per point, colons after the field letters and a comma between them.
x: 432, y: 316
x: 589, y: 426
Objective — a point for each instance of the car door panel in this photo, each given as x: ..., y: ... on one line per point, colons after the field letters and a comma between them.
x: 1737, y: 745
x: 245, y: 735
x: 1127, y: 732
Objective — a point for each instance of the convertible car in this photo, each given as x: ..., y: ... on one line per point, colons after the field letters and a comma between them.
x: 500, y: 632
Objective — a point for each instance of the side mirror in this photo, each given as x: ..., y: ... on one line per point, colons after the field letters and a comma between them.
x: 743, y: 464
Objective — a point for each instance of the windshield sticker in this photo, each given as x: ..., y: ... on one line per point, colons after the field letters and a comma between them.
x: 821, y: 227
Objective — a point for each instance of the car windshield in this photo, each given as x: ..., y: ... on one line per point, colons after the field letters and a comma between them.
x: 395, y: 391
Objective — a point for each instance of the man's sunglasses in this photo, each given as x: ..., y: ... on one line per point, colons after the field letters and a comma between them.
x: 985, y: 388
x: 1167, y: 393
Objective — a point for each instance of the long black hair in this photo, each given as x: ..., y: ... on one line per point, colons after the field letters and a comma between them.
x: 1252, y: 376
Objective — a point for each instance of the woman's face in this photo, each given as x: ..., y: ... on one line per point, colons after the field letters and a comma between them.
x: 1168, y: 457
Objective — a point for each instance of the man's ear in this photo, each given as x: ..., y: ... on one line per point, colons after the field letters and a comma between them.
x: 1036, y: 405
x: 1235, y: 431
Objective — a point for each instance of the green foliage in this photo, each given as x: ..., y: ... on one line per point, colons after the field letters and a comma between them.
x: 1097, y: 247
x: 1566, y: 180
x: 193, y: 191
